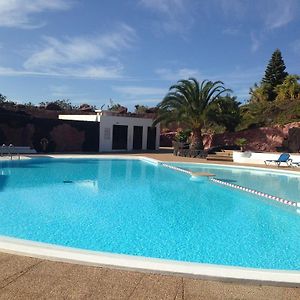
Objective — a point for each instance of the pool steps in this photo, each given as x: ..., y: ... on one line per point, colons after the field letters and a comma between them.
x: 199, y: 176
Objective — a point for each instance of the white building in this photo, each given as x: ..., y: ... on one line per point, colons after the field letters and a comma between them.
x: 122, y: 132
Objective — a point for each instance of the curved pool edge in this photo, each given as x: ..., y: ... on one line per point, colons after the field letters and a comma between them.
x: 158, y: 162
x: 145, y: 264
x: 261, y: 168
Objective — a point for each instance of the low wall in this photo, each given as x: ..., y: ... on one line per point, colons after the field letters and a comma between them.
x: 249, y: 157
x: 62, y: 136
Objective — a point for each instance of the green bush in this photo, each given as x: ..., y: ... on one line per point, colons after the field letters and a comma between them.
x: 182, y: 136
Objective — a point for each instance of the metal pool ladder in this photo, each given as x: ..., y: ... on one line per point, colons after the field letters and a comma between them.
x: 9, y: 150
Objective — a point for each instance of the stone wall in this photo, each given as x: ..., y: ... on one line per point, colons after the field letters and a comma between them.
x: 268, y: 139
x: 62, y: 136
x: 293, y: 142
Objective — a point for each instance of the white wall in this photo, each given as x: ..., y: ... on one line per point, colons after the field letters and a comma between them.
x: 106, y: 131
x: 258, y: 158
x: 88, y: 118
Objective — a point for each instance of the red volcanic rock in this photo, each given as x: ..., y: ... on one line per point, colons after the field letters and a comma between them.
x: 18, y: 136
x: 267, y: 139
x: 166, y: 139
x: 67, y: 138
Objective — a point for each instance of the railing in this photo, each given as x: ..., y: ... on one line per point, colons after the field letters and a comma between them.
x: 9, y: 150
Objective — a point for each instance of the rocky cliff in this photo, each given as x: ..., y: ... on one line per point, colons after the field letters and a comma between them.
x: 267, y: 139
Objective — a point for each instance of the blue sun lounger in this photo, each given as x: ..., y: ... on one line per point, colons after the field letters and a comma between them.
x: 283, y: 158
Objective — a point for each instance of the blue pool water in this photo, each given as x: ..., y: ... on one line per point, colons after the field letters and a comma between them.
x: 133, y: 207
x: 276, y: 184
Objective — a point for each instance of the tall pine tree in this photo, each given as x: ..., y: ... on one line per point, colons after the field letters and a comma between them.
x: 274, y: 74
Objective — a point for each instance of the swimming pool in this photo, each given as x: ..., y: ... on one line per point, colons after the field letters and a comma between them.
x: 132, y: 207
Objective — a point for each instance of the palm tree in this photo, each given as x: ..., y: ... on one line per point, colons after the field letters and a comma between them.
x: 187, y: 103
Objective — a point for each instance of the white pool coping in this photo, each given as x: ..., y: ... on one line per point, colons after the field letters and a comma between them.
x: 260, y: 168
x: 155, y: 161
x: 138, y: 263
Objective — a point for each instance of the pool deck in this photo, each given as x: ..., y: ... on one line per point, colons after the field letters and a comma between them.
x: 33, y: 278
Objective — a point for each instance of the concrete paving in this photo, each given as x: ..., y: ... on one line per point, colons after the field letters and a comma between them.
x: 32, y: 278
x: 166, y: 155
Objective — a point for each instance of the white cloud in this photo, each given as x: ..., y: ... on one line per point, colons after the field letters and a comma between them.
x: 92, y: 72
x: 18, y: 13
x: 140, y: 90
x: 173, y: 16
x: 267, y: 14
x: 55, y: 53
x: 233, y: 8
x: 255, y: 42
x: 94, y: 57
x: 279, y: 13
x: 273, y: 13
x: 183, y: 73
x: 165, y: 6
x: 6, y: 71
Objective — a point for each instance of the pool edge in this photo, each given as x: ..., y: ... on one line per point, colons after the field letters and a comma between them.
x: 145, y: 264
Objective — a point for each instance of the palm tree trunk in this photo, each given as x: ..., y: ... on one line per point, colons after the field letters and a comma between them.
x: 196, y: 139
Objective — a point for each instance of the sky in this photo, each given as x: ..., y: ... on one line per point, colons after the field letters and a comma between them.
x: 132, y: 51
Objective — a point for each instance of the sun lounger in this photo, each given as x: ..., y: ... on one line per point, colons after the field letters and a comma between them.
x: 283, y: 158
x: 295, y: 163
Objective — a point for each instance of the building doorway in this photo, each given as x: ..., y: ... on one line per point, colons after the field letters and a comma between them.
x: 137, y: 137
x: 120, y: 133
x: 151, y: 138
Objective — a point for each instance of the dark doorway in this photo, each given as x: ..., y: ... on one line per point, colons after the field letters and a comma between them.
x: 151, y: 138
x: 137, y: 137
x: 120, y: 137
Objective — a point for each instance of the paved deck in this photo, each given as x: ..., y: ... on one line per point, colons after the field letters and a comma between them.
x: 166, y: 155
x: 32, y: 278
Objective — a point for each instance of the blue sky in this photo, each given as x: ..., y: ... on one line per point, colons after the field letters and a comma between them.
x: 131, y: 51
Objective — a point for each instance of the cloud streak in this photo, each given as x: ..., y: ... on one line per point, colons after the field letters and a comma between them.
x: 19, y: 13
x: 95, y: 57
x: 55, y: 52
x: 271, y: 14
x: 296, y: 46
x: 96, y: 72
x: 279, y: 13
x: 172, y: 16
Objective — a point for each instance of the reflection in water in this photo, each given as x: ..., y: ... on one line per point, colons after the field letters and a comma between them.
x: 91, y: 185
x: 3, y: 181
x: 280, y: 185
